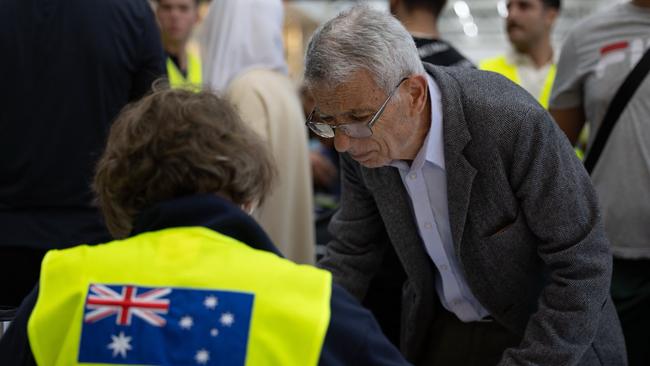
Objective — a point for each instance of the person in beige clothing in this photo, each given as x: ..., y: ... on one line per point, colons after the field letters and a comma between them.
x: 244, y: 59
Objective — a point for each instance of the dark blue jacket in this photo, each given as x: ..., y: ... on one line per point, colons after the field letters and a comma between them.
x: 353, y: 336
x: 68, y: 68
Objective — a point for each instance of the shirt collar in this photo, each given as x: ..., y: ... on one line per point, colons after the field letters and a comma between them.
x: 432, y: 149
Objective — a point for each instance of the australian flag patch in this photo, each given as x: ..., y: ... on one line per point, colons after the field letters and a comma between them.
x: 127, y: 325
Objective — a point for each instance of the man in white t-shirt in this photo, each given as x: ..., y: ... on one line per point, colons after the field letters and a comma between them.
x: 596, y: 58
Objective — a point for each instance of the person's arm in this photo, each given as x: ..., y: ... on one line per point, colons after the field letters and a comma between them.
x: 354, y: 337
x: 567, y: 95
x: 360, y: 239
x: 570, y: 121
x: 560, y: 207
x: 150, y: 58
x: 14, y: 344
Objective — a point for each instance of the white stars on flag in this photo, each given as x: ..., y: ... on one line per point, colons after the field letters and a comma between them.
x: 202, y: 356
x: 211, y: 302
x: 186, y: 322
x: 227, y: 319
x: 120, y: 345
x: 214, y: 332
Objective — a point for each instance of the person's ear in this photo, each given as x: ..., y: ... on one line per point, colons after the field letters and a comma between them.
x: 392, y: 5
x: 197, y: 15
x: 549, y: 16
x: 249, y: 207
x: 417, y: 89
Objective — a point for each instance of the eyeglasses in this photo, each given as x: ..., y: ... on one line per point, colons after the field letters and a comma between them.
x: 355, y: 129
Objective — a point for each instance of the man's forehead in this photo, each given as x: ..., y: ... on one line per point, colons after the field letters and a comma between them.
x: 523, y: 2
x: 189, y: 3
x: 359, y: 93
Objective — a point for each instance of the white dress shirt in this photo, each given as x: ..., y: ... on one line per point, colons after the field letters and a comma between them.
x: 426, y: 183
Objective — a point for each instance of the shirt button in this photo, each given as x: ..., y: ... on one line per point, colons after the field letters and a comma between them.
x: 427, y: 225
x: 444, y: 267
x: 413, y: 176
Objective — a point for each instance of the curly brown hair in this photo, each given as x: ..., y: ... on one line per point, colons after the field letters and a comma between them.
x: 175, y: 143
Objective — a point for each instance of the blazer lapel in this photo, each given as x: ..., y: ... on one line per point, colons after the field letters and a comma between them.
x: 460, y: 173
x: 395, y: 207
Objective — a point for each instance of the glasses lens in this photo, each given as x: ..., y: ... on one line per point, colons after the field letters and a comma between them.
x: 356, y: 130
x: 322, y: 129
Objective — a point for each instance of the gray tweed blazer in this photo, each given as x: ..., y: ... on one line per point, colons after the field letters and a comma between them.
x: 525, y: 224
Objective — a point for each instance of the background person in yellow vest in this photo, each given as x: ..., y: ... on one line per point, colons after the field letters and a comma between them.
x: 194, y: 279
x: 177, y: 19
x: 530, y: 62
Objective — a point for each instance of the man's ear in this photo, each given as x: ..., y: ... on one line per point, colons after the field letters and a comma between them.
x: 418, y: 91
x: 392, y: 5
x: 249, y: 207
x: 550, y: 16
x: 198, y: 18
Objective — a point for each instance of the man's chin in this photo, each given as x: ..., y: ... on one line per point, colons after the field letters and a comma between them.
x: 371, y: 163
x: 518, y: 39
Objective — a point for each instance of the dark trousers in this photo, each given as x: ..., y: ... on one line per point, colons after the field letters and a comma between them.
x: 631, y: 295
x: 467, y: 344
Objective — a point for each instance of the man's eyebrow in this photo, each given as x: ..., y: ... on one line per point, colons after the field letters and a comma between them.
x: 356, y: 111
x: 361, y: 111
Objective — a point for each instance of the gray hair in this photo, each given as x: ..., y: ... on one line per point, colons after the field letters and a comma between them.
x: 361, y: 38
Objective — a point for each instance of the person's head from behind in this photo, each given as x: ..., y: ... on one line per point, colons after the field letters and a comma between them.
x: 399, y: 7
x: 177, y: 19
x: 369, y: 86
x: 530, y: 22
x: 176, y: 143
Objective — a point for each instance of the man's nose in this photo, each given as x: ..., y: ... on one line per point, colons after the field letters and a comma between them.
x: 341, y: 141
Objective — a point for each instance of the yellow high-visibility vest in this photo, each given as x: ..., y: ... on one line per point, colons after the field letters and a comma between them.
x: 290, y: 310
x: 501, y: 65
x: 194, y: 78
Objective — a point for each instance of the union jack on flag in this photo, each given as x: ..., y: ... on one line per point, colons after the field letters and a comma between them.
x: 105, y: 302
x: 133, y: 325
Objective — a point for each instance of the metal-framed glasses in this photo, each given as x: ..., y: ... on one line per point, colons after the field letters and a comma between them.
x: 352, y: 129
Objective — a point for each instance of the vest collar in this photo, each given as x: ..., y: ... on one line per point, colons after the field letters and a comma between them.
x: 206, y: 210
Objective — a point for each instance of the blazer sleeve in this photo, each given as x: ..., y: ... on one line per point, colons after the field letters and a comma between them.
x: 560, y: 207
x: 360, y: 238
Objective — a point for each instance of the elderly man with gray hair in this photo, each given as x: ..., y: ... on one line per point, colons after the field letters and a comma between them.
x: 490, y: 212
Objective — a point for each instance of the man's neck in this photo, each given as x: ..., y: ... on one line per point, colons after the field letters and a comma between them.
x: 542, y: 54
x: 177, y: 50
x: 421, y: 24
